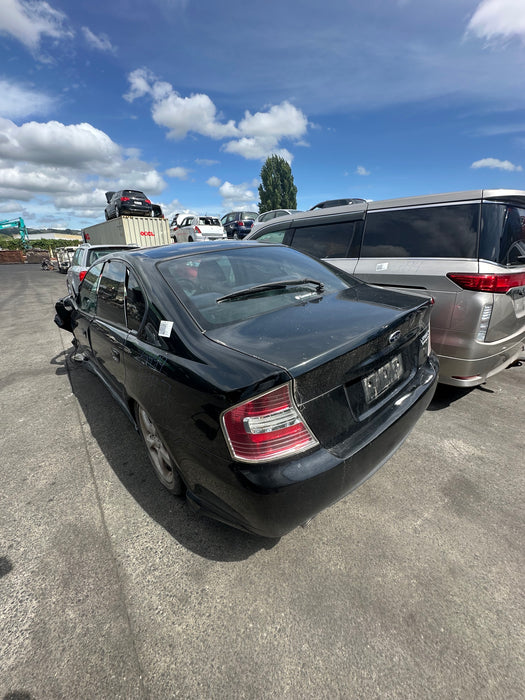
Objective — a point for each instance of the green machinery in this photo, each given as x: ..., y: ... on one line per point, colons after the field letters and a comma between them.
x: 20, y: 225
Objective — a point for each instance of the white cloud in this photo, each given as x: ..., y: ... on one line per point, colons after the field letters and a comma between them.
x: 70, y: 166
x: 279, y: 121
x: 178, y: 172
x: 361, y: 170
x: 101, y: 42
x: 53, y: 143
x: 235, y: 196
x: 255, y: 137
x: 498, y: 164
x: 28, y: 21
x: 20, y: 102
x: 492, y: 18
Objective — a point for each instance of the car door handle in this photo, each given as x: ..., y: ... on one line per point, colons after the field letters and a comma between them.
x: 115, y: 354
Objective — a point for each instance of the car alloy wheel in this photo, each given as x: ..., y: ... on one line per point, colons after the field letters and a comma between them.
x: 160, y: 458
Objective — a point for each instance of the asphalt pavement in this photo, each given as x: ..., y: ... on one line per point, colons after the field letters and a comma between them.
x: 411, y: 587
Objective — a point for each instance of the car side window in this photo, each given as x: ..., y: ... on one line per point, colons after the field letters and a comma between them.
x: 135, y: 302
x: 88, y: 290
x: 77, y: 256
x: 423, y: 232
x: 327, y: 240
x: 271, y: 237
x: 111, y: 292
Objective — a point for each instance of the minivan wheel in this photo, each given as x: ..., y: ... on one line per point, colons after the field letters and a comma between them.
x: 163, y: 463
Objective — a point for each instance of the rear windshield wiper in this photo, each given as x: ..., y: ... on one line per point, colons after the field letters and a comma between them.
x: 281, y: 284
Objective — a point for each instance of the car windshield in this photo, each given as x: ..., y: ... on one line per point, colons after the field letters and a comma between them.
x: 203, y: 281
x: 97, y: 253
x: 209, y: 221
x: 502, y: 238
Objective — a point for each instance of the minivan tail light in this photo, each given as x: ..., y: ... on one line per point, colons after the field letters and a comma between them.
x: 494, y: 283
x: 81, y: 275
x: 267, y: 427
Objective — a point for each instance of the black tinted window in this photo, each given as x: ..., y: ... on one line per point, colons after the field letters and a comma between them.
x: 427, y: 232
x: 326, y: 240
x: 110, y: 305
x: 88, y: 290
x: 135, y: 303
x: 502, y: 234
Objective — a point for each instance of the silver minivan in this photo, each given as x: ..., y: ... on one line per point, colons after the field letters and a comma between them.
x: 464, y: 249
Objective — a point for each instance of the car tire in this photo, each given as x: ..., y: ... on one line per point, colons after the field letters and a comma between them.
x: 190, y: 239
x: 164, y: 465
x: 117, y: 212
x: 174, y: 238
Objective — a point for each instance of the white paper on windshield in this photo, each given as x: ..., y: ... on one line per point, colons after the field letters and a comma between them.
x: 165, y: 329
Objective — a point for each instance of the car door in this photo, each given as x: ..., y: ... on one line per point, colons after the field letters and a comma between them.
x: 108, y: 330
x: 87, y: 306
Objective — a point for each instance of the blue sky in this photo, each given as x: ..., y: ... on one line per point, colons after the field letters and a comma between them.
x: 184, y: 99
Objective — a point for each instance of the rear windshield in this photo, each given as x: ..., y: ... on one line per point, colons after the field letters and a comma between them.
x: 449, y: 231
x: 97, y: 253
x: 502, y: 237
x: 249, y: 215
x: 133, y: 193
x: 209, y: 221
x: 201, y: 279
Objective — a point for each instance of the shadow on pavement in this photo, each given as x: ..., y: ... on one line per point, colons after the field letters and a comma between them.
x: 124, y: 450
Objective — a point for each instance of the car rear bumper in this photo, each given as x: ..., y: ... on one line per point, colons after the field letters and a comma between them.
x: 467, y: 373
x: 274, y: 498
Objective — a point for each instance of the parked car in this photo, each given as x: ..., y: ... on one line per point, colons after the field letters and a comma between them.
x: 176, y: 221
x: 127, y: 203
x: 198, y: 228
x: 266, y: 384
x: 270, y: 215
x: 85, y: 255
x: 238, y: 224
x: 464, y: 249
x: 64, y: 258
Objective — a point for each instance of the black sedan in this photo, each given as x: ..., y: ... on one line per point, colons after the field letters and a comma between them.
x: 266, y: 384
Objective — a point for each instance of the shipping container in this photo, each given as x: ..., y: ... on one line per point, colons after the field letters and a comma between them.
x: 143, y: 231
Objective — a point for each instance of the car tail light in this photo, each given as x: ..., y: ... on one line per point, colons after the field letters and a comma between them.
x: 147, y: 201
x: 81, y: 275
x: 267, y: 427
x: 494, y: 283
x: 124, y: 199
x: 196, y: 229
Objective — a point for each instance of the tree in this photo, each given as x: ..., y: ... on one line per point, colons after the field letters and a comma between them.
x: 277, y: 189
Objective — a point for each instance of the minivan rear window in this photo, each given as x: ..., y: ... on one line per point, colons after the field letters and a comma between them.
x: 502, y: 237
x: 449, y: 231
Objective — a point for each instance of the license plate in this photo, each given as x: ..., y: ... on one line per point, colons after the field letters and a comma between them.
x: 382, y: 379
x: 137, y: 202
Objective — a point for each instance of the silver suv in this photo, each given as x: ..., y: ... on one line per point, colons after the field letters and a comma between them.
x: 464, y: 249
x: 85, y: 256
